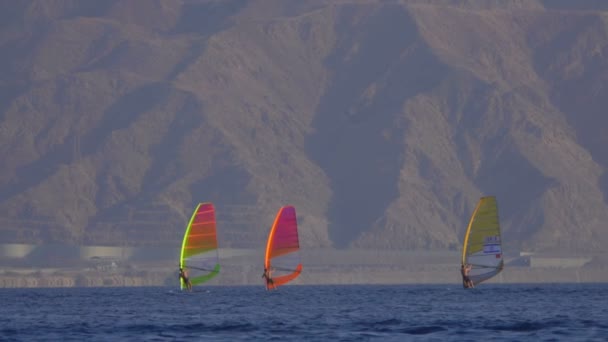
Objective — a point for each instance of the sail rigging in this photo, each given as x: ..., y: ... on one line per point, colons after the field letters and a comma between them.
x: 482, y: 248
x: 282, y: 258
x: 199, y: 253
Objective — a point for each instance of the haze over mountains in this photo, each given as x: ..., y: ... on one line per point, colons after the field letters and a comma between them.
x: 382, y: 122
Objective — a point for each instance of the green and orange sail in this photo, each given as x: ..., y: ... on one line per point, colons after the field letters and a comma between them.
x: 282, y: 258
x: 199, y: 253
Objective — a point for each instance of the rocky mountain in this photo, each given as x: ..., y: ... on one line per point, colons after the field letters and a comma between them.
x: 382, y: 122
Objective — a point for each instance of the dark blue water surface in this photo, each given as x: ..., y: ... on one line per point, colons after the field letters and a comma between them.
x: 540, y: 312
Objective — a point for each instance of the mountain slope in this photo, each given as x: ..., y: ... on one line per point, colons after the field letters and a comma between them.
x: 383, y: 123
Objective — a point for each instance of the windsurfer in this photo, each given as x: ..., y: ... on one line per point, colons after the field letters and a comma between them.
x: 269, y: 281
x: 183, y: 275
x: 466, y: 280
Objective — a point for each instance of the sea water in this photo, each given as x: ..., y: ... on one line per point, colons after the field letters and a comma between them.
x: 538, y: 312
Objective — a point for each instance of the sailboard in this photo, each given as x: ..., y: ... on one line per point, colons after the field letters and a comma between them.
x: 482, y: 247
x: 282, y: 258
x: 199, y: 254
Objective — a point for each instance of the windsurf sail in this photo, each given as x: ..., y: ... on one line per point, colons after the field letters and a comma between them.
x: 199, y: 254
x: 482, y: 248
x: 283, y: 249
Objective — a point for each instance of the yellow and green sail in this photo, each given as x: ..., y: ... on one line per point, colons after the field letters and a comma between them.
x: 482, y: 248
x: 199, y: 253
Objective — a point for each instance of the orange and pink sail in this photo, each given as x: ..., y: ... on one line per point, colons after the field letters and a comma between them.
x: 283, y: 248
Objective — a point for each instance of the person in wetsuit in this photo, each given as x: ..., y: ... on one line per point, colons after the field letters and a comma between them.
x: 183, y: 275
x: 466, y: 280
x: 269, y: 281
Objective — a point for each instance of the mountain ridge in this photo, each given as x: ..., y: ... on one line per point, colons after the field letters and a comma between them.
x: 383, y: 123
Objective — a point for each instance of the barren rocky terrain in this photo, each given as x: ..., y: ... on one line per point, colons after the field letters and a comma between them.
x: 382, y: 122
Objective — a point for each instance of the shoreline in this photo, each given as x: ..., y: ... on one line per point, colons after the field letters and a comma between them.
x: 311, y: 276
